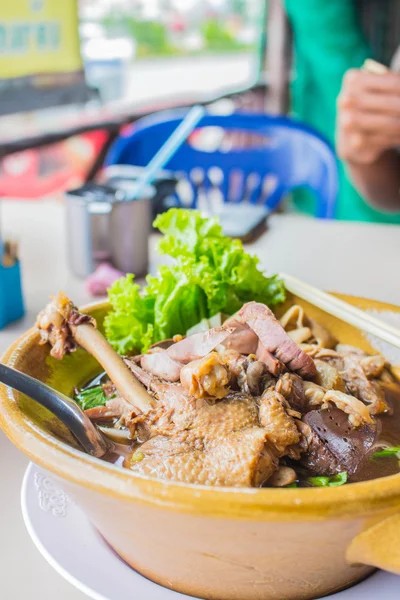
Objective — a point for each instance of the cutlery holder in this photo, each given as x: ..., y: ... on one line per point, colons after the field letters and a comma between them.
x: 11, y: 300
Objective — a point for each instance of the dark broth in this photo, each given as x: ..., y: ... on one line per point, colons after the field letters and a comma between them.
x: 388, y: 435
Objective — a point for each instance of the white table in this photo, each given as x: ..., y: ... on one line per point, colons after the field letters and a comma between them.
x: 360, y: 259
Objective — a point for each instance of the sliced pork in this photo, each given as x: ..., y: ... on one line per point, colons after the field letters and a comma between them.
x: 198, y: 345
x: 242, y: 339
x: 159, y: 363
x: 274, y: 366
x: 167, y: 363
x: 275, y: 339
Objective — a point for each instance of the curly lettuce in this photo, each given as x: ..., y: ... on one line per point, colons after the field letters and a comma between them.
x: 128, y: 325
x: 211, y: 273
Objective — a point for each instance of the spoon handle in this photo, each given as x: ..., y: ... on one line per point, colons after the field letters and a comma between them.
x: 60, y: 405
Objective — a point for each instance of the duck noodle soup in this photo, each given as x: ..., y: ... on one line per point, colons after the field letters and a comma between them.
x: 227, y: 407
x: 203, y: 384
x: 255, y: 401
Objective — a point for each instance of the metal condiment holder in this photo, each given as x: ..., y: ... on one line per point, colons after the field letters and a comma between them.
x: 105, y: 224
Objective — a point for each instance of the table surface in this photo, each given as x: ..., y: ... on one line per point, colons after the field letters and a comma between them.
x: 359, y: 259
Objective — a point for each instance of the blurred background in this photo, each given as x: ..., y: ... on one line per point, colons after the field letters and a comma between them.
x: 136, y: 56
x: 74, y: 74
x: 90, y: 92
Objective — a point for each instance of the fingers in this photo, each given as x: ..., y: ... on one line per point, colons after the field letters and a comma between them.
x: 360, y: 148
x: 362, y: 81
x: 370, y: 101
x: 370, y: 122
x: 368, y: 115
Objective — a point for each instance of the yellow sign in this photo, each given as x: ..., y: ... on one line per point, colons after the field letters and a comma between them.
x: 38, y: 37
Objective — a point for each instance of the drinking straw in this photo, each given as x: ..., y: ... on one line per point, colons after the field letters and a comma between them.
x: 168, y: 149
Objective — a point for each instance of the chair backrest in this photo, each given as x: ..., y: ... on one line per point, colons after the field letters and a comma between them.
x: 287, y: 155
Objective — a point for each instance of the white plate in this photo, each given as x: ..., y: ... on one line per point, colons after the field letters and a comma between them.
x: 67, y: 540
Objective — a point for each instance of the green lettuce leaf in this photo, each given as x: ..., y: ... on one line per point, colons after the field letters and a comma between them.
x: 211, y: 273
x: 179, y: 302
x: 129, y: 324
x: 228, y: 275
x: 186, y: 232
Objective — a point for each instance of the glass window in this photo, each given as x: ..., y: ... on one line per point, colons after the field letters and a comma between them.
x: 156, y: 50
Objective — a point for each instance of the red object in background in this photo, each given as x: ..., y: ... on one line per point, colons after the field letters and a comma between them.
x: 50, y: 170
x: 178, y: 24
x: 98, y: 282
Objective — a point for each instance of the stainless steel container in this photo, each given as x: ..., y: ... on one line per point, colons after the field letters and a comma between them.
x: 104, y: 224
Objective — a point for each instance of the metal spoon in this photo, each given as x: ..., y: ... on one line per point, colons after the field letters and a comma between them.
x: 61, y: 406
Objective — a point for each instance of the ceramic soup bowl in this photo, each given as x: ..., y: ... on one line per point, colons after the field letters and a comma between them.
x: 215, y: 543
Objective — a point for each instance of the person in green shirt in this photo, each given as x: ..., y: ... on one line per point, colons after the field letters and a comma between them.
x: 328, y: 42
x: 368, y: 135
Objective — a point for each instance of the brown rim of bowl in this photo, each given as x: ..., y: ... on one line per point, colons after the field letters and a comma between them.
x: 238, y: 503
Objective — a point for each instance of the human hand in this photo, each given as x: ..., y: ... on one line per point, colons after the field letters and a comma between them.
x: 368, y: 120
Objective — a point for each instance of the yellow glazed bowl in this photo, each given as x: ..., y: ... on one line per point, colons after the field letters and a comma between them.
x: 215, y: 543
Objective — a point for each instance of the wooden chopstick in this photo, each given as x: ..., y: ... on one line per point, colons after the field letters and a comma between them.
x: 338, y: 308
x: 372, y: 66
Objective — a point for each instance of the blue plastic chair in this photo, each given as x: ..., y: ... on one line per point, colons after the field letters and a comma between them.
x: 288, y: 155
